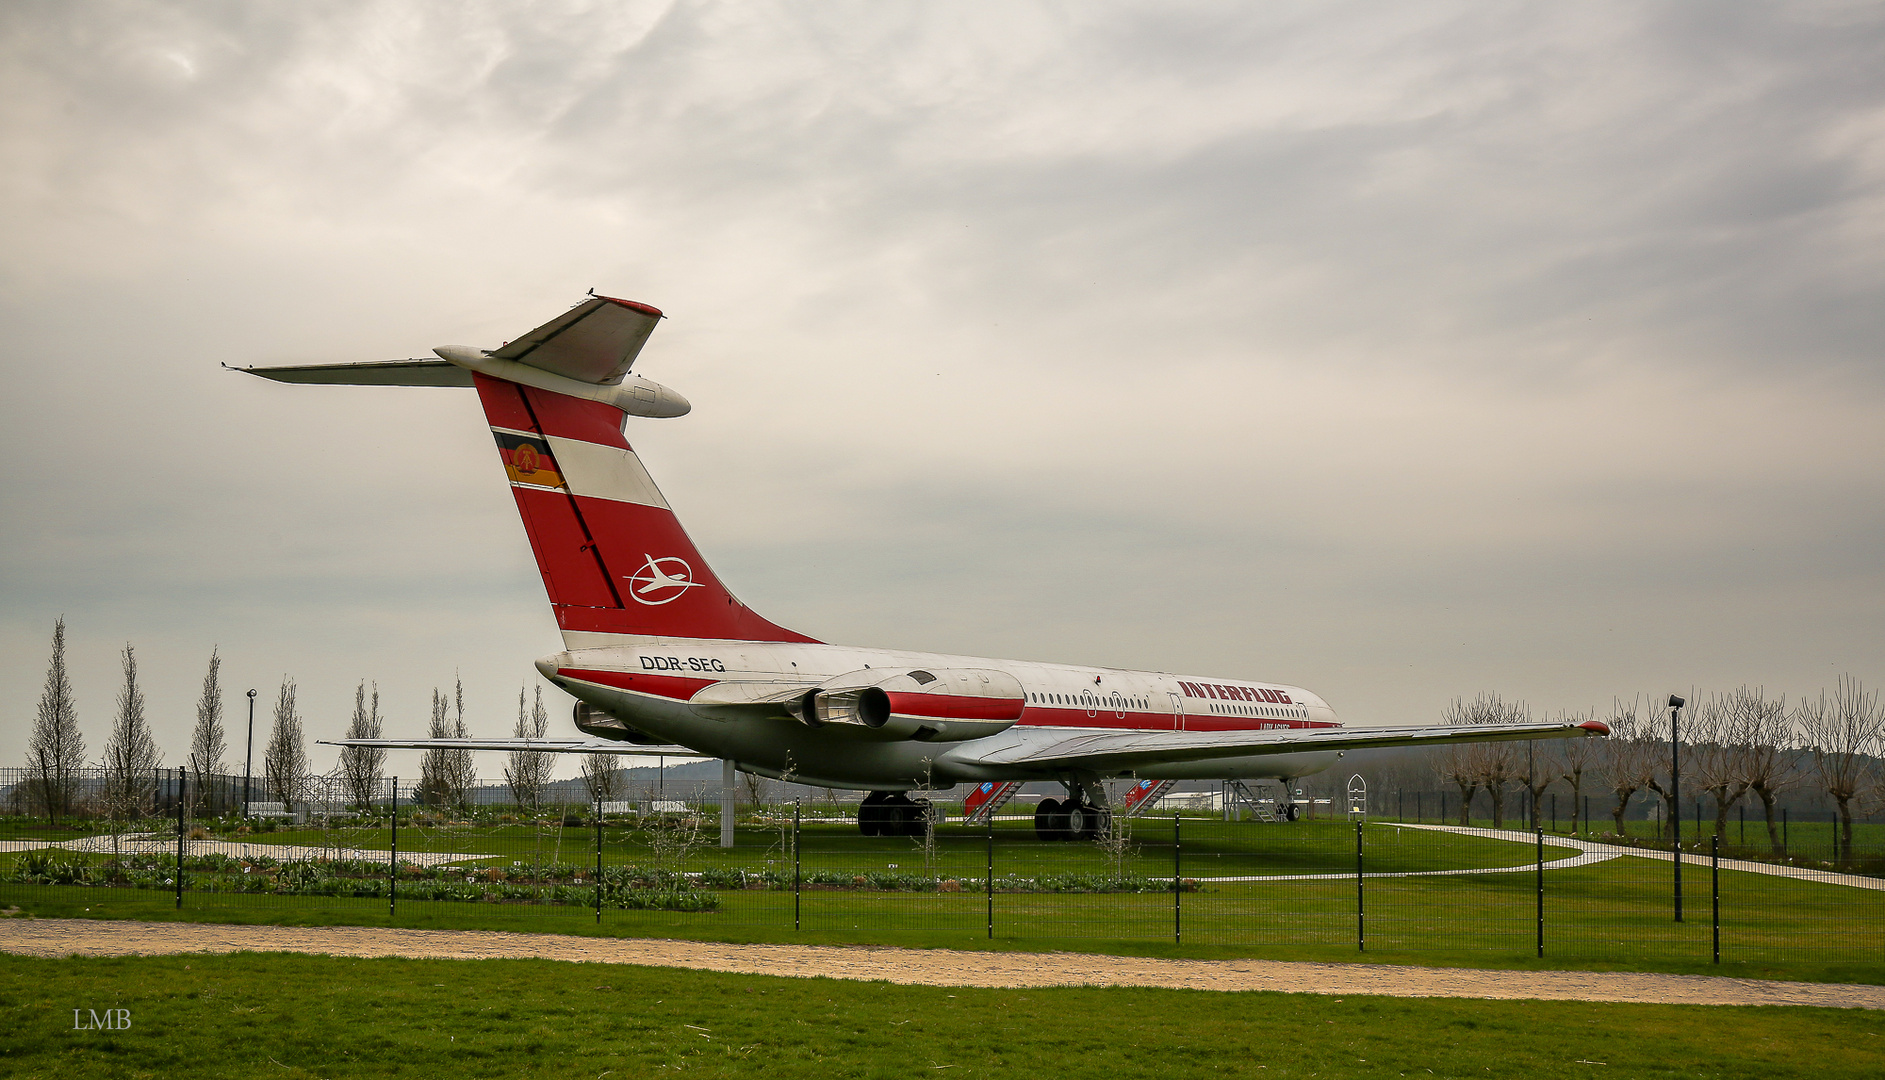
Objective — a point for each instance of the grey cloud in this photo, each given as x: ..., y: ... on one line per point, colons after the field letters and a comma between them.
x: 1397, y: 350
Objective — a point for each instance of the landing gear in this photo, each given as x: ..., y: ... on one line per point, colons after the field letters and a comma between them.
x: 1075, y: 819
x: 892, y: 813
x: 1049, y: 822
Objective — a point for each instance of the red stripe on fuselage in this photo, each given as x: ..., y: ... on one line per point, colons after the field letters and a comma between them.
x: 667, y: 686
x: 1041, y: 716
x: 953, y: 707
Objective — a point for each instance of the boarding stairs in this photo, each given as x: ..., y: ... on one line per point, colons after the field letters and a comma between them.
x: 979, y: 808
x: 1144, y: 794
x: 1239, y: 793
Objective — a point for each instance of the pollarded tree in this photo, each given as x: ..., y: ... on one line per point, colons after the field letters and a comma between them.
x: 1574, y: 758
x: 1496, y: 765
x: 361, y: 766
x: 206, y: 738
x: 1456, y: 767
x: 1716, y: 746
x: 1661, y: 777
x: 1625, y: 759
x: 1843, y: 734
x: 56, y: 751
x: 285, y: 762
x: 131, y: 755
x: 1771, y: 761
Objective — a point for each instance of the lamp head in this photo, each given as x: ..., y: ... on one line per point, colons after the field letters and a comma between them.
x: 1675, y: 701
x: 251, y: 695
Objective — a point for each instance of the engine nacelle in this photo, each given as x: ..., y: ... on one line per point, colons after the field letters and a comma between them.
x: 945, y: 704
x: 593, y: 721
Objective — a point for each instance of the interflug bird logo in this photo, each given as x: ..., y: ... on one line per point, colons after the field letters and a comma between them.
x: 661, y: 581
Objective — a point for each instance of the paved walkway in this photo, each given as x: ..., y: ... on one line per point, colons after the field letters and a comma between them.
x: 159, y: 844
x: 1613, y: 851
x: 924, y: 967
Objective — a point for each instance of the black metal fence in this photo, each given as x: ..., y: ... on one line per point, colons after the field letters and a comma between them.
x: 1308, y: 888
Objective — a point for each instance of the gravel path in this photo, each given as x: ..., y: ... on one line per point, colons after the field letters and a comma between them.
x: 926, y: 967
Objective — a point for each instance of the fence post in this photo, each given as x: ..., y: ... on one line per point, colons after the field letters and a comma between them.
x: 1178, y: 888
x: 991, y: 877
x: 1361, y: 926
x: 795, y: 863
x: 392, y: 854
x: 1541, y: 891
x: 598, y: 858
x: 180, y: 835
x: 1714, y: 861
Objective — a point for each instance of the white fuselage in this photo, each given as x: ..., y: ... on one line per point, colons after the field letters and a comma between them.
x: 651, y: 684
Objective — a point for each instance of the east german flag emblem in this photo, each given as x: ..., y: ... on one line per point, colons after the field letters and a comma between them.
x: 528, y: 460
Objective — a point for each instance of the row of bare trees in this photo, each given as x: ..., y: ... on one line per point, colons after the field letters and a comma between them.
x: 1734, y: 745
x: 55, y: 752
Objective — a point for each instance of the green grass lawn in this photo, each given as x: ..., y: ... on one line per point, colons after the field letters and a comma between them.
x: 254, y: 1015
x: 1616, y: 914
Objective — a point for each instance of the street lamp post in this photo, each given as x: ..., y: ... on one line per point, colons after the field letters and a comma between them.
x: 248, y: 759
x: 1675, y: 793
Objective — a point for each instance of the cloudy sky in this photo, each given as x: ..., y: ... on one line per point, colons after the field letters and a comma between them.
x: 1401, y: 351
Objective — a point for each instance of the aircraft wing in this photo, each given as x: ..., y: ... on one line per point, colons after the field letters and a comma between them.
x: 1107, y: 751
x: 545, y: 746
x: 373, y: 373
x: 594, y: 342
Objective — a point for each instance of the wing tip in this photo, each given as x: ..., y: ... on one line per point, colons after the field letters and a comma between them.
x: 633, y: 305
x: 1595, y: 727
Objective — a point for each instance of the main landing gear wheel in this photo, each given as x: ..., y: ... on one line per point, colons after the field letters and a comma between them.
x: 1071, y: 820
x: 1292, y: 812
x: 892, y: 813
x: 1049, y: 821
x: 1080, y: 821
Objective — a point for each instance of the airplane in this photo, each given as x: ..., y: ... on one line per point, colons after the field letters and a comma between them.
x: 664, y: 660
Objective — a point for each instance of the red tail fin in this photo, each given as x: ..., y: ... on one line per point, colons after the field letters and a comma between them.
x: 614, y: 558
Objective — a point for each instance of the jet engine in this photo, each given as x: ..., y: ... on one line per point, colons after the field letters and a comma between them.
x: 947, y: 704
x: 602, y: 725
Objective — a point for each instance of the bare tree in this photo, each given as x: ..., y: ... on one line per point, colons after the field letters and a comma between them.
x: 755, y: 789
x: 1494, y: 765
x: 461, y: 772
x: 1842, y: 733
x: 1661, y: 776
x: 131, y: 755
x: 361, y: 766
x: 207, y: 743
x: 1716, y: 747
x: 1771, y: 763
x: 1457, y: 765
x: 56, y: 751
x: 285, y: 761
x: 1573, y: 759
x: 435, y: 765
x: 529, y: 770
x: 602, y: 776
x: 1624, y: 759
